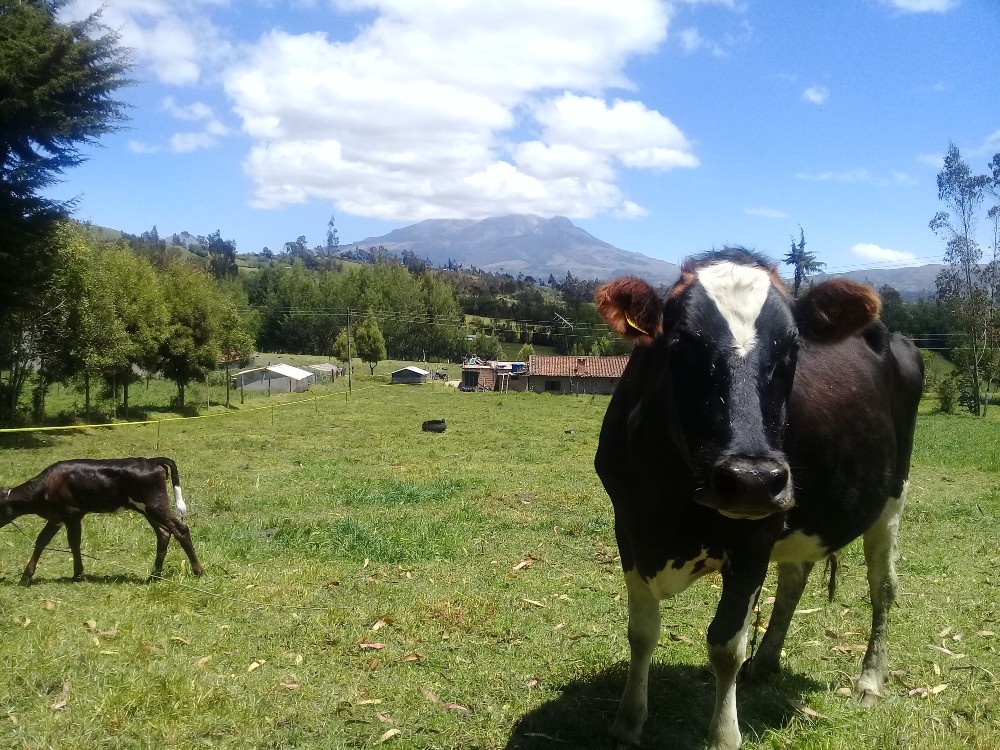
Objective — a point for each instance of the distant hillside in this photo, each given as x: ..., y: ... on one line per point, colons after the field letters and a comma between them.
x: 913, y: 283
x: 520, y: 243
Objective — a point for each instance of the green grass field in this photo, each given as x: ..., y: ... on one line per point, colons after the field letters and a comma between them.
x: 370, y: 584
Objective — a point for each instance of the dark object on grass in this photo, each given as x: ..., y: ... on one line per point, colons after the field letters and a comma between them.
x: 68, y: 490
x: 434, y: 425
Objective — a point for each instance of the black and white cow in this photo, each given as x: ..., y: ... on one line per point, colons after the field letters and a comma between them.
x: 746, y: 428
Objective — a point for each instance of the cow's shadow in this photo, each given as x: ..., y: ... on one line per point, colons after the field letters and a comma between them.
x: 681, y: 698
x: 113, y: 579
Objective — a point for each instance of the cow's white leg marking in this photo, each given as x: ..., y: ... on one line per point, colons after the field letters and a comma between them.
x: 643, y: 635
x: 799, y: 547
x: 726, y: 660
x: 179, y: 501
x: 672, y: 580
x: 739, y: 291
x: 881, y: 552
x: 792, y: 579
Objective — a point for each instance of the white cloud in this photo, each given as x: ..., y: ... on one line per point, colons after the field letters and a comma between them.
x: 931, y: 160
x: 692, y: 41
x: 181, y: 143
x: 174, y: 38
x: 816, y: 94
x: 141, y: 147
x: 852, y: 175
x: 441, y: 110
x: 922, y: 6
x: 897, y: 178
x: 989, y: 146
x: 871, y: 251
x: 766, y: 213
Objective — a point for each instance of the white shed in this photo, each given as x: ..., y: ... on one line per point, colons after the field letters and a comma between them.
x: 279, y: 376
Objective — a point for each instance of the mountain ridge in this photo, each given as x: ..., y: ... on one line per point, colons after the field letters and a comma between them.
x: 538, y: 247
x: 520, y: 244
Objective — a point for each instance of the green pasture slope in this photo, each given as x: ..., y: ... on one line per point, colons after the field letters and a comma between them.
x: 370, y: 584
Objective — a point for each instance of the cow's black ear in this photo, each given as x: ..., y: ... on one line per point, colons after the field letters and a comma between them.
x: 835, y: 309
x: 632, y: 308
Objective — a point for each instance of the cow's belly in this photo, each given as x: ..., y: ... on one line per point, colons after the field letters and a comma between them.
x: 799, y: 547
x: 677, y: 575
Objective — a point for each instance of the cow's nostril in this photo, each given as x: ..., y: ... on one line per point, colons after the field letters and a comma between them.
x: 739, y: 480
x: 779, y: 481
x: 726, y: 481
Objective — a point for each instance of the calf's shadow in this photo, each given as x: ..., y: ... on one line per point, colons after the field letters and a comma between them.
x: 681, y: 699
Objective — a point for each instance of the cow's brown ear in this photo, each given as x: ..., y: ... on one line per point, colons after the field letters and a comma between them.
x: 632, y: 308
x: 835, y: 309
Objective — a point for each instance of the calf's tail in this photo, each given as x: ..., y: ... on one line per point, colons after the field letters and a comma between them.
x: 176, y: 481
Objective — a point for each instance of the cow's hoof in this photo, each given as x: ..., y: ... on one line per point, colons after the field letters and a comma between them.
x: 757, y: 670
x: 624, y: 737
x: 25, y: 580
x: 867, y: 697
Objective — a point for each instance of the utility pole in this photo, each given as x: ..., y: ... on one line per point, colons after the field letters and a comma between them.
x: 350, y: 366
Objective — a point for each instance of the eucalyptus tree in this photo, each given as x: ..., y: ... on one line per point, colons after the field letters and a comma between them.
x: 961, y: 284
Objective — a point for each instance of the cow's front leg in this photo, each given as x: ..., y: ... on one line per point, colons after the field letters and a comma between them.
x: 643, y: 635
x: 792, y: 579
x: 727, y: 647
x: 880, y: 557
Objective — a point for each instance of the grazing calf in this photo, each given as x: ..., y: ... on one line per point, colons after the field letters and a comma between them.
x: 749, y: 427
x: 68, y: 490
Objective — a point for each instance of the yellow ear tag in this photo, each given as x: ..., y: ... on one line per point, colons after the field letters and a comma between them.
x: 636, y: 327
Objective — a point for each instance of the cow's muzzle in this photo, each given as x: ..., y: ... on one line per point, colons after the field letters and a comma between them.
x: 742, y: 487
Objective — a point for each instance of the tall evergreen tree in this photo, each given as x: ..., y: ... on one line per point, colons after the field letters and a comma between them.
x: 56, y: 96
x: 803, y: 262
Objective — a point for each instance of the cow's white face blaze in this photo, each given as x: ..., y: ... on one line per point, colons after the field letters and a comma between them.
x: 739, y: 292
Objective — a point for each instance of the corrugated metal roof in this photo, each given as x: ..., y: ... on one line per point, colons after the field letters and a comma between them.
x: 577, y: 367
x: 287, y: 371
x: 281, y: 370
x: 411, y: 368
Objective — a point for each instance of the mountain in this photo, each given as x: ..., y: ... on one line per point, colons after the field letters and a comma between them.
x: 521, y: 243
x: 912, y: 283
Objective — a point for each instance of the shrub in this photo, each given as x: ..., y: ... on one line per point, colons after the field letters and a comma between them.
x: 947, y: 393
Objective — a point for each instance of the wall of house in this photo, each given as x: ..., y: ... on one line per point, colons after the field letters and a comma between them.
x: 557, y: 384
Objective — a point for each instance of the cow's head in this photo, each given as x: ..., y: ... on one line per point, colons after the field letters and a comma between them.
x: 731, y: 336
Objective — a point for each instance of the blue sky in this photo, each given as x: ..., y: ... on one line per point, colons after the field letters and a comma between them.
x: 666, y: 128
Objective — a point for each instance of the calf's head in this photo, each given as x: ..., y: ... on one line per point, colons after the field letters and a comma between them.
x: 726, y: 341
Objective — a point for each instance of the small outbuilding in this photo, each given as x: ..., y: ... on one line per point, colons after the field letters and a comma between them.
x: 279, y: 376
x: 331, y: 371
x: 410, y: 375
